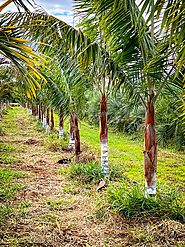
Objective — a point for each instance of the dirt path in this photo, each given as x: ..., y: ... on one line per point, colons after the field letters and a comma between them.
x: 58, y: 212
x: 51, y: 210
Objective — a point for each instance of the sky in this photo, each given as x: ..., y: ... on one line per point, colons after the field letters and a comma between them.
x: 62, y: 9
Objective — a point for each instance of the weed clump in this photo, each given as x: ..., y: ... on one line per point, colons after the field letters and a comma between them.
x: 84, y: 173
x: 90, y: 172
x: 131, y: 202
x: 5, y: 213
x: 53, y: 143
x: 8, y: 188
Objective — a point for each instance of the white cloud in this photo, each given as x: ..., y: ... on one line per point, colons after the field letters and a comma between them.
x: 62, y: 9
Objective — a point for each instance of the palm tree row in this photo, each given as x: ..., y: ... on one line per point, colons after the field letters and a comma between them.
x: 123, y: 51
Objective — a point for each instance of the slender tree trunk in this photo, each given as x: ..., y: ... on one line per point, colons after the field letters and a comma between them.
x: 71, y: 144
x: 52, y: 120
x: 61, y: 123
x: 29, y: 109
x: 150, y: 148
x: 39, y: 111
x: 1, y: 108
x: 76, y: 134
x: 34, y: 110
x: 104, y: 136
x: 74, y: 142
x: 44, y: 116
x: 47, y: 119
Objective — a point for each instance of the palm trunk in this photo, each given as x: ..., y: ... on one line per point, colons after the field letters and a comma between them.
x: 34, y: 110
x: 61, y: 123
x: 104, y: 136
x: 74, y: 141
x: 29, y: 109
x: 52, y: 120
x: 43, y: 116
x: 71, y: 144
x: 47, y: 119
x: 150, y: 148
x: 1, y: 108
x: 39, y: 111
x: 77, y: 135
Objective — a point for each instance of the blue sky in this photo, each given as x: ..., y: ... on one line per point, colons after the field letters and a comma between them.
x: 62, y: 9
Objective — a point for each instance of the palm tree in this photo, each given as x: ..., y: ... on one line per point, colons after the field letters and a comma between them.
x: 170, y: 16
x: 131, y: 44
x: 14, y: 48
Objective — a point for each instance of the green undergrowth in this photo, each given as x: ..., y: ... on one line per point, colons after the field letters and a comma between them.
x: 59, y: 203
x: 10, y: 212
x: 129, y: 200
x: 38, y: 126
x: 5, y: 213
x: 53, y: 143
x: 127, y: 153
x: 89, y: 172
x: 8, y: 185
x: 51, y: 140
x: 8, y: 153
x: 8, y: 189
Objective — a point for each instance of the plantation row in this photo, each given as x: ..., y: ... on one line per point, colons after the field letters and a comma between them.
x: 44, y: 202
x: 126, y: 195
x: 114, y: 52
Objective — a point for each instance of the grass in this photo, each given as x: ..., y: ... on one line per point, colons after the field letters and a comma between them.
x: 89, y: 172
x: 127, y: 155
x: 8, y: 186
x: 8, y: 153
x: 5, y: 213
x: 53, y: 143
x: 59, y: 204
x: 8, y: 189
x: 130, y: 201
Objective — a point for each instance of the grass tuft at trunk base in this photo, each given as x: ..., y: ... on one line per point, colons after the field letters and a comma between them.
x: 130, y: 201
x: 89, y: 173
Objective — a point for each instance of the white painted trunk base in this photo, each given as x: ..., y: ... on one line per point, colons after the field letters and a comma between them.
x: 151, y: 190
x: 71, y: 142
x: 104, y: 159
x: 44, y: 123
x: 61, y: 132
x: 47, y: 128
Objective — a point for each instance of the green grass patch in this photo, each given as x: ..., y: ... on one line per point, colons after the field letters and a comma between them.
x: 9, y: 187
x: 59, y: 203
x: 8, y: 153
x: 7, y: 191
x: 130, y: 201
x: 53, y: 143
x: 7, y: 175
x: 127, y: 153
x: 7, y: 147
x: 89, y: 173
x: 5, y: 213
x: 7, y: 159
